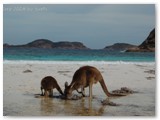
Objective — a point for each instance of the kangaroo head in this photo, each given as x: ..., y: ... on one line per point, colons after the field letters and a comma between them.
x: 68, y: 90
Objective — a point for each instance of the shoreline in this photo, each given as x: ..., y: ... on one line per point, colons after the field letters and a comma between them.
x: 75, y: 62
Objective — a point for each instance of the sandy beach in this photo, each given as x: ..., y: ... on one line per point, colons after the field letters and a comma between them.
x: 21, y: 86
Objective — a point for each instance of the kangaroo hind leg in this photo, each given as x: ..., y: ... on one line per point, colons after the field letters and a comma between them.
x: 90, y: 90
x: 51, y: 93
x: 42, y: 93
x: 45, y: 93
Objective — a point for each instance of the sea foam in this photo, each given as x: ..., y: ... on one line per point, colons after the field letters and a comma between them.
x: 74, y: 62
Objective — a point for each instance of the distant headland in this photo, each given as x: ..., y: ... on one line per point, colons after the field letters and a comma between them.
x: 44, y: 43
x: 147, y: 45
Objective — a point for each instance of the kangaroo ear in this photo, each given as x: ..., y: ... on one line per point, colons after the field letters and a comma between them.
x: 66, y: 84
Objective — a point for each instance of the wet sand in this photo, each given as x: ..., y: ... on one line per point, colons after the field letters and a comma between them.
x: 21, y: 89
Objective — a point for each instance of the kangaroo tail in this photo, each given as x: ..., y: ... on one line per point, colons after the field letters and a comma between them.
x: 104, y: 87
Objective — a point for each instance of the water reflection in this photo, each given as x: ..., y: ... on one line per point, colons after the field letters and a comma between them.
x: 90, y: 107
x: 81, y: 107
x: 47, y: 106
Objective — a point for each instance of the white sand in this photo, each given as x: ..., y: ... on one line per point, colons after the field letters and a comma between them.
x: 19, y: 89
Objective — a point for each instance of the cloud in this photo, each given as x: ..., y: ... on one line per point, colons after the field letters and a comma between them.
x: 103, y: 24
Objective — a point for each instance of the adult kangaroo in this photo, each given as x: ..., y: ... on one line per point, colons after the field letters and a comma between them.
x: 48, y: 83
x: 86, y: 76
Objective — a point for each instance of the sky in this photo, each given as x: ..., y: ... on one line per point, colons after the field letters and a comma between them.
x: 95, y: 25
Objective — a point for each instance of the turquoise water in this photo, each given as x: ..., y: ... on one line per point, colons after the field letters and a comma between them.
x: 39, y: 54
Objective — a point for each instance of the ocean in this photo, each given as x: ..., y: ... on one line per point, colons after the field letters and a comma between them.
x: 55, y: 55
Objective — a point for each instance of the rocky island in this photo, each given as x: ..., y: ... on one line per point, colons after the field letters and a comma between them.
x: 44, y: 43
x: 119, y: 47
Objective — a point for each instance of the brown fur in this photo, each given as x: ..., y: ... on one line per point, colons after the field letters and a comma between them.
x: 84, y: 77
x: 48, y: 84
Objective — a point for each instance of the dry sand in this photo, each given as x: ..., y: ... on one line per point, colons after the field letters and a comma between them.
x: 21, y: 86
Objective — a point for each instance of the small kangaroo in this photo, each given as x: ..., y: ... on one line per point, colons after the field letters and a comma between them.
x: 86, y: 76
x: 48, y: 84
